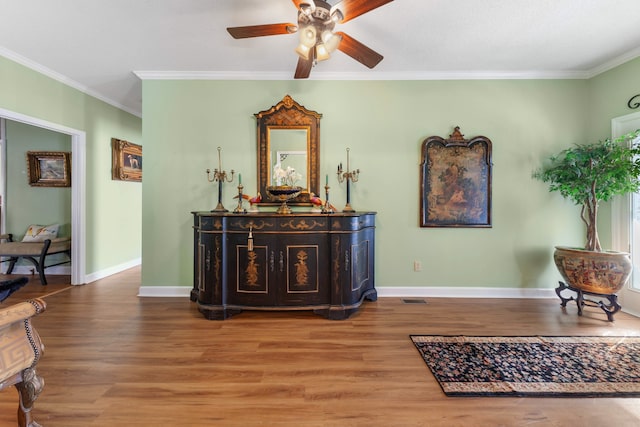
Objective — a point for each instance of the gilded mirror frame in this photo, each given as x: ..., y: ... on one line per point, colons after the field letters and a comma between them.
x: 288, y: 114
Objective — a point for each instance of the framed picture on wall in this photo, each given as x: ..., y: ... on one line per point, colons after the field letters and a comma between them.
x: 455, y: 185
x: 49, y: 168
x: 126, y: 164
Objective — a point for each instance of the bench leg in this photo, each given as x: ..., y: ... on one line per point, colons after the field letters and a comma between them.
x: 39, y: 268
x: 39, y: 264
x: 29, y: 390
x: 12, y: 263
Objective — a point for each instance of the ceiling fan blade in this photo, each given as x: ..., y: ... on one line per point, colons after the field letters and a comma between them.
x: 297, y: 2
x: 358, y: 51
x: 262, y: 30
x: 351, y: 9
x: 304, y: 66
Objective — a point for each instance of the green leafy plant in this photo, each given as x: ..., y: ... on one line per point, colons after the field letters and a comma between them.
x: 592, y: 173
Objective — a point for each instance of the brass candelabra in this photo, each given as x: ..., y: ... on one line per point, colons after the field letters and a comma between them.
x: 349, y: 176
x: 219, y: 176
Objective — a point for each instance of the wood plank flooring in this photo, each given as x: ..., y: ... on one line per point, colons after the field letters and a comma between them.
x: 114, y: 359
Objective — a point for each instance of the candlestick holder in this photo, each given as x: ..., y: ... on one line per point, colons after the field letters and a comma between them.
x: 240, y: 208
x: 348, y: 176
x: 327, y: 208
x: 219, y: 176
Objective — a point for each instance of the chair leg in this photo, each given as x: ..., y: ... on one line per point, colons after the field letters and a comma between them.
x: 29, y: 390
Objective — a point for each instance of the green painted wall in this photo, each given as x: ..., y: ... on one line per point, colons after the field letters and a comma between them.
x: 25, y: 205
x: 609, y: 94
x: 384, y: 124
x: 113, y: 208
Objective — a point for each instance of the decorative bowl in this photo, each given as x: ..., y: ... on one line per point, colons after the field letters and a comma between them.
x: 283, y: 193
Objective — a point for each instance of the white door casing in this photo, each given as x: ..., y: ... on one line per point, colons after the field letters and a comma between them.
x: 78, y: 189
x: 622, y: 221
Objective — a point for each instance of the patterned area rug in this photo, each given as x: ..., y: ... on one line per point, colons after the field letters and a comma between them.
x: 533, y: 366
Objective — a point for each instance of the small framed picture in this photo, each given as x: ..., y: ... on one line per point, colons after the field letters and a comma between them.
x: 126, y: 162
x: 49, y: 168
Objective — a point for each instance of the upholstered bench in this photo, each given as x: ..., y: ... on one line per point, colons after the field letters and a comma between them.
x: 20, y: 350
x: 35, y: 252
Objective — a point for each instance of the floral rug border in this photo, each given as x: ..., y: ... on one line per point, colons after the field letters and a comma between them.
x: 533, y: 366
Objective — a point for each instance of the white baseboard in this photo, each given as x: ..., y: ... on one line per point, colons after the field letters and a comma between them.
x: 631, y: 312
x: 388, y: 291
x: 464, y: 292
x: 30, y: 270
x: 112, y: 270
x: 164, y: 291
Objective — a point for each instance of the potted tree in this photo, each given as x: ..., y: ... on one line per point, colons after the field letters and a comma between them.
x: 587, y: 175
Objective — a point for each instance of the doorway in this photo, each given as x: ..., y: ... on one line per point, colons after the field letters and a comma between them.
x: 625, y: 224
x: 78, y: 188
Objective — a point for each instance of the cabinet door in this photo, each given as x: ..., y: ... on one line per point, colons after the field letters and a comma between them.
x: 209, y: 280
x: 302, y: 270
x: 251, y: 273
x: 354, y: 272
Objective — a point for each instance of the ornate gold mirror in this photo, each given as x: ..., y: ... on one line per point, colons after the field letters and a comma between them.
x: 289, y: 135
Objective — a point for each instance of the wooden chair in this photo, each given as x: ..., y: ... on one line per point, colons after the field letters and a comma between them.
x: 20, y: 350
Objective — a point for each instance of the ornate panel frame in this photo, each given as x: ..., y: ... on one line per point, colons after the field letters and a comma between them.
x: 288, y: 114
x: 455, y: 181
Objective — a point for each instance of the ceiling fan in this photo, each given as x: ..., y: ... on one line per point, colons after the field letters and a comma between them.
x: 316, y: 22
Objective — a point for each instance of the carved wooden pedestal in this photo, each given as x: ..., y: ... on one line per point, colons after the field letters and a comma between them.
x: 303, y: 261
x: 610, y: 309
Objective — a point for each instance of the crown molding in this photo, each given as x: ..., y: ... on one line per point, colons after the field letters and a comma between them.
x: 35, y: 66
x: 619, y: 60
x: 365, y: 75
x: 337, y: 76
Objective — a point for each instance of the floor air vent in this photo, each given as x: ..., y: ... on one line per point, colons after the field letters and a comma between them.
x: 413, y: 301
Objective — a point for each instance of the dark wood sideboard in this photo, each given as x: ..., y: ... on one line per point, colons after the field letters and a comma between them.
x: 302, y: 261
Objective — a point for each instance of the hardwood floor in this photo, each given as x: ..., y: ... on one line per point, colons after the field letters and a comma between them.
x: 114, y: 359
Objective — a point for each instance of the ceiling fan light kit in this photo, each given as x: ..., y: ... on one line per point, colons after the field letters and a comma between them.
x: 316, y: 23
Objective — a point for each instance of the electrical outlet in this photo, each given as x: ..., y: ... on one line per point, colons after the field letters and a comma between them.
x: 417, y: 266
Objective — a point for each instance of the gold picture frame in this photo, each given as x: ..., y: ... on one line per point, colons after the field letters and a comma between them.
x: 49, y: 168
x: 126, y: 164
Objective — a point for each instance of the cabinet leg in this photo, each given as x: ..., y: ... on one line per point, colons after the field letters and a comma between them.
x: 217, y: 313
x: 336, y: 314
x: 371, y: 295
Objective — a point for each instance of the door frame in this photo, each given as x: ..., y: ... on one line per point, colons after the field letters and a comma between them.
x: 78, y: 188
x: 620, y: 213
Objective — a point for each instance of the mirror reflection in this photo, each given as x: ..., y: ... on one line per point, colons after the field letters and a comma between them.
x: 288, y: 148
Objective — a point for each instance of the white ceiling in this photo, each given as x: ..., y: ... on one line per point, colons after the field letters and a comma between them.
x: 104, y: 47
